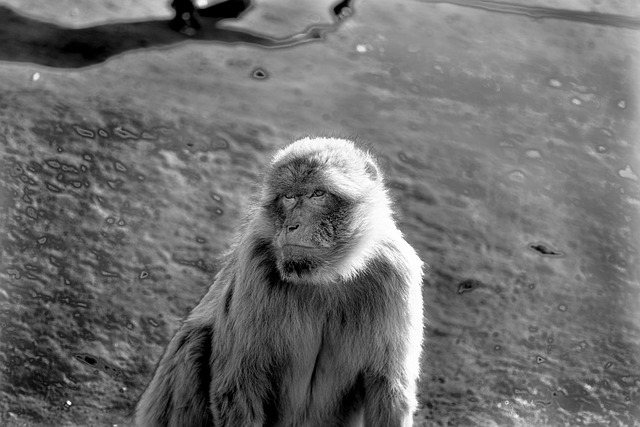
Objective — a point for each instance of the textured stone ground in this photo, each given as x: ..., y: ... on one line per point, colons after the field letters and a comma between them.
x: 509, y: 138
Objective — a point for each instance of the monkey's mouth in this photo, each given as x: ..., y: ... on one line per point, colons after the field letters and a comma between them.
x: 296, y: 251
x: 298, y: 260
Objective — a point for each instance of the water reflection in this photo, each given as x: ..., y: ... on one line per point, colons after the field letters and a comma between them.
x: 32, y: 40
x: 538, y: 12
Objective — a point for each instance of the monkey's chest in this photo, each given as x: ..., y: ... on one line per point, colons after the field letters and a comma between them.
x: 322, y: 384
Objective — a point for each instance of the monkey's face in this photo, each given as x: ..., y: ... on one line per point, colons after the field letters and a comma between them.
x: 323, y: 202
x: 310, y: 232
x: 311, y: 222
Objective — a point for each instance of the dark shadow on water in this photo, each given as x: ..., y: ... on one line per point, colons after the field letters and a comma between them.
x: 24, y: 39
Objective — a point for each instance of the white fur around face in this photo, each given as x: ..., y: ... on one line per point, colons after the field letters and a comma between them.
x: 347, y: 164
x: 352, y: 173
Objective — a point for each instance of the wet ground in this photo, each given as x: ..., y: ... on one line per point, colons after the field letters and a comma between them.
x: 509, y: 134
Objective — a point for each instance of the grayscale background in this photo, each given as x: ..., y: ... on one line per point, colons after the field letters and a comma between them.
x: 508, y: 131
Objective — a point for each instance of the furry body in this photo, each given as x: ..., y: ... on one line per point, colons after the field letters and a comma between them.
x: 315, y: 318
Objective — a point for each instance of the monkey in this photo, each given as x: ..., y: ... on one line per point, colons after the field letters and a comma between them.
x: 315, y: 317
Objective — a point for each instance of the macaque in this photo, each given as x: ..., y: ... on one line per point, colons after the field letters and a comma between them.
x: 315, y: 318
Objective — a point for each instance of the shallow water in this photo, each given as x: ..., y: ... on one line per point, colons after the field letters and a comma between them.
x: 508, y: 133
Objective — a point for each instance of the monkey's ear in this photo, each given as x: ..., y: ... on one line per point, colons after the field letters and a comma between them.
x: 372, y: 170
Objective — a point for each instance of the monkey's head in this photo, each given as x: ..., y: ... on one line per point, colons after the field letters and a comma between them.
x: 325, y: 205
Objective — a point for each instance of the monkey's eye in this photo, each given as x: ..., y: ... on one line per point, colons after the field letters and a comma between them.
x: 318, y: 193
x: 289, y: 196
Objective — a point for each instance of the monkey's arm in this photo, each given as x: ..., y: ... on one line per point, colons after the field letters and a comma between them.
x: 178, y: 395
x: 202, y: 378
x: 387, y: 404
x: 390, y: 381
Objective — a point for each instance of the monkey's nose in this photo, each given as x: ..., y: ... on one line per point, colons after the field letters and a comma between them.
x: 291, y: 228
